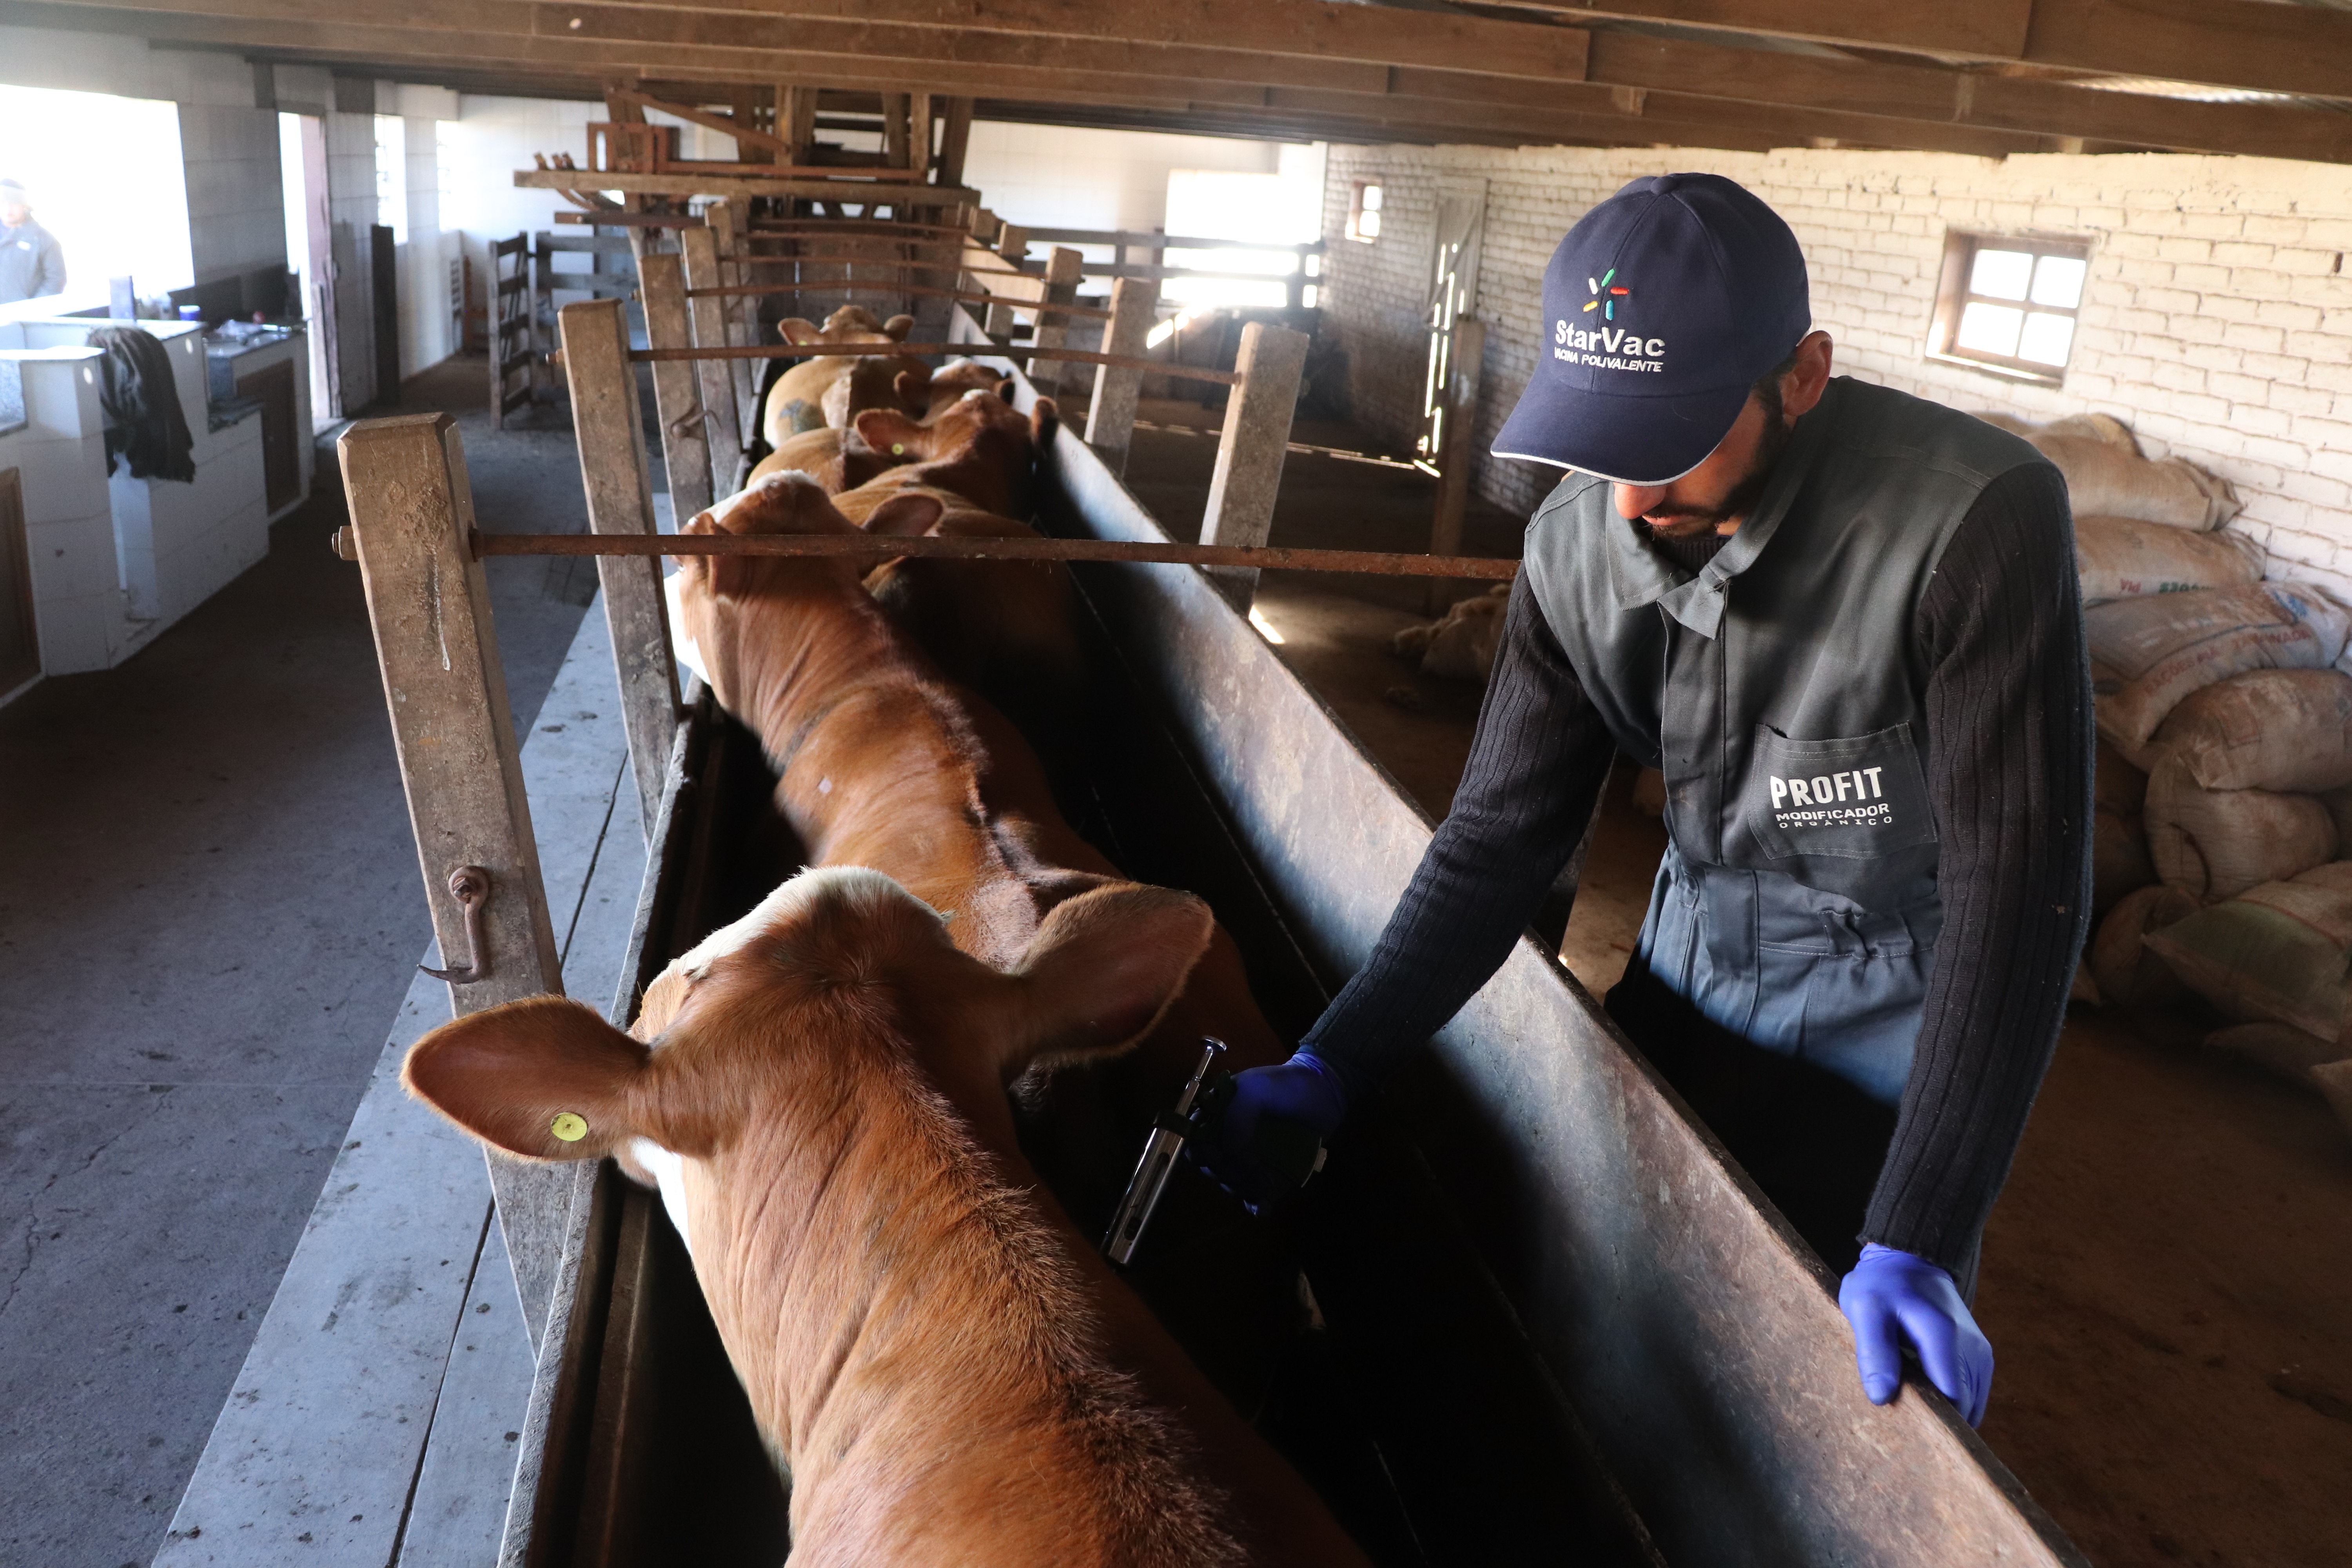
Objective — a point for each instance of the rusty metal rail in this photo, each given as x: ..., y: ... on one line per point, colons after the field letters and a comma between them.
x: 851, y: 228
x: 870, y: 547
x: 1016, y: 351
x: 845, y: 286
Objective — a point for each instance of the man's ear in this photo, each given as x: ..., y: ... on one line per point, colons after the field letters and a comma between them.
x: 893, y: 435
x: 1102, y: 968
x: 799, y: 330
x: 897, y: 328
x: 908, y: 516
x: 544, y: 1078
x: 1808, y: 378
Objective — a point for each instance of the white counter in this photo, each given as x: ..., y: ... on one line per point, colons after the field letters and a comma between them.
x: 116, y: 561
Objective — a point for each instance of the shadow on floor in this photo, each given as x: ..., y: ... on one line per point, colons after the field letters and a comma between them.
x: 209, y: 917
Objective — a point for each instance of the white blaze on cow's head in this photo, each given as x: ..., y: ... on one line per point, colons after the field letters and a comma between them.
x: 773, y: 1025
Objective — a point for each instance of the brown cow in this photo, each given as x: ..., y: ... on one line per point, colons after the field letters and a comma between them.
x: 1006, y: 628
x: 883, y: 765
x: 828, y: 390
x: 950, y: 383
x: 948, y: 1373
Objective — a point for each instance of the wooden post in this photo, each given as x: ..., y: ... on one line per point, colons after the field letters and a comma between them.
x: 796, y: 118
x: 1063, y: 271
x: 742, y: 316
x: 1454, y: 462
x: 1012, y: 244
x: 411, y: 512
x: 612, y: 437
x: 897, y: 147
x: 718, y: 378
x: 742, y: 107
x: 955, y: 141
x: 1248, y: 475
x: 685, y: 449
x: 1110, y: 417
x: 921, y: 111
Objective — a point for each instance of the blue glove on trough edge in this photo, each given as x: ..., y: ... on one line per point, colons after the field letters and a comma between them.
x: 1894, y: 1296
x: 1304, y: 1089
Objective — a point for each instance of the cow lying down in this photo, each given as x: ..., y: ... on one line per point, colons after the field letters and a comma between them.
x: 945, y: 1370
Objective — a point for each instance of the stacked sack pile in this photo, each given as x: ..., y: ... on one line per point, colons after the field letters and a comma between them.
x: 2223, y: 838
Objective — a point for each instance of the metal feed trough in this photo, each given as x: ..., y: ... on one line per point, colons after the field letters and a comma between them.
x: 1558, y: 1322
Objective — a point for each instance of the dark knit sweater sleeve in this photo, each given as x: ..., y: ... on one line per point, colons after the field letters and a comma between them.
x: 1535, y: 767
x: 1999, y: 630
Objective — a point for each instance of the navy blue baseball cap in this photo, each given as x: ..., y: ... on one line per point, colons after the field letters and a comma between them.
x: 1662, y: 308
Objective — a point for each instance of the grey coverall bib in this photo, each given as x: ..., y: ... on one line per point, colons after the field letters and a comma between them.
x: 1779, y: 692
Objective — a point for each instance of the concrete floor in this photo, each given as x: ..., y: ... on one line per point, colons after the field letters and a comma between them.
x: 209, y: 913
x: 2168, y: 1279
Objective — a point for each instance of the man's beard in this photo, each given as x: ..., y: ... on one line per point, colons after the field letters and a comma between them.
x: 1689, y: 522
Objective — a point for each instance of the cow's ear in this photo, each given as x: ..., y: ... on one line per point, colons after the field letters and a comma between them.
x: 893, y: 435
x: 913, y: 388
x: 727, y: 575
x: 1102, y: 969
x: 897, y: 328
x: 544, y: 1078
x: 1044, y: 416
x: 908, y: 516
x: 796, y: 330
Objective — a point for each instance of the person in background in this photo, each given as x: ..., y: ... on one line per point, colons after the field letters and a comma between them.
x: 32, y: 262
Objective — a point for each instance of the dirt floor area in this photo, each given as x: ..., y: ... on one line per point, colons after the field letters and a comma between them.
x: 209, y: 913
x: 2167, y: 1280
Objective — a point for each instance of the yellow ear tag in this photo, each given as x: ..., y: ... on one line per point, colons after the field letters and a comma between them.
x: 896, y: 449
x: 571, y: 1126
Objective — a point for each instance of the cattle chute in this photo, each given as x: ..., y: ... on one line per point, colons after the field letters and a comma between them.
x: 1557, y: 1312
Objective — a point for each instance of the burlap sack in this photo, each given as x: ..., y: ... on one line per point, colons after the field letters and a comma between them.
x: 2214, y: 844
x: 2280, y: 953
x: 1460, y: 645
x: 2120, y: 559
x: 2105, y: 481
x: 2119, y: 862
x: 2119, y: 784
x: 2281, y: 1048
x: 2267, y: 729
x: 2335, y: 1081
x: 2148, y: 654
x: 2129, y: 975
x: 2103, y: 428
x: 2338, y: 802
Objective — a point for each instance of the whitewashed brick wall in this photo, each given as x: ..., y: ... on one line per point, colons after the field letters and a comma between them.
x: 2217, y: 321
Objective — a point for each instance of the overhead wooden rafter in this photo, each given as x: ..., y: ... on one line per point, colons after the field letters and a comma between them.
x: 1955, y: 80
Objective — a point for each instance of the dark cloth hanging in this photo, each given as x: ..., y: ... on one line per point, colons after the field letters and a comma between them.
x: 140, y: 401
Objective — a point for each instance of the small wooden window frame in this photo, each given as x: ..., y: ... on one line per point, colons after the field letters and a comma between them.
x: 1357, y: 208
x: 1952, y: 298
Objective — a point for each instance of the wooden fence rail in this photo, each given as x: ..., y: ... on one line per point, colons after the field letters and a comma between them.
x: 843, y: 286
x: 869, y: 547
x: 1016, y: 350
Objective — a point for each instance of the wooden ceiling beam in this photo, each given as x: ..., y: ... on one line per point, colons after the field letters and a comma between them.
x: 1938, y: 94
x: 2247, y: 44
x: 1959, y: 110
x: 289, y: 25
x: 655, y: 38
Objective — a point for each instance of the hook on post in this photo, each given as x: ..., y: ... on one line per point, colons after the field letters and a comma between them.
x: 470, y: 886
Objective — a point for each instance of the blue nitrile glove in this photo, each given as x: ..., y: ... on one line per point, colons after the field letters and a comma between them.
x: 1894, y: 1296
x: 1235, y: 1149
